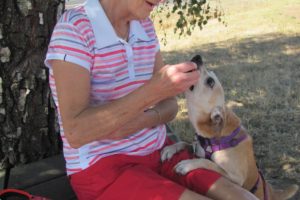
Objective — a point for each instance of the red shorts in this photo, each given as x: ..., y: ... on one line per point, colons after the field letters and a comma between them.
x: 139, y: 177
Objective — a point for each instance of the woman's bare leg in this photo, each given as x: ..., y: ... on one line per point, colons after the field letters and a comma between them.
x: 190, y: 195
x: 223, y: 189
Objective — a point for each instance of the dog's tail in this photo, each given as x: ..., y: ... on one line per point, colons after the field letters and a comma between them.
x: 286, y: 193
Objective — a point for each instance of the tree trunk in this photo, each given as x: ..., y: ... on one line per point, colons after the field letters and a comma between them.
x: 28, y: 125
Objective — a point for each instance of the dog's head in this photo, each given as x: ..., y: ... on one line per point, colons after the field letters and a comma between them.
x: 206, y: 102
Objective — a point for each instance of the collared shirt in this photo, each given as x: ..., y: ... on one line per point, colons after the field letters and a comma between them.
x: 85, y: 36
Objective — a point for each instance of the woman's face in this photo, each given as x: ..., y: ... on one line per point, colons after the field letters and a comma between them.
x: 141, y: 9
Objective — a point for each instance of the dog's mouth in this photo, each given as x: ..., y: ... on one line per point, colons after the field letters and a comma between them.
x: 192, y: 88
x: 198, y: 68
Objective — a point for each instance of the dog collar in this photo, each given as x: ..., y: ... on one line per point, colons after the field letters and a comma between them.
x: 211, y: 145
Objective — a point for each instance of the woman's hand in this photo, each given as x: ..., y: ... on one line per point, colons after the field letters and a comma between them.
x: 171, y: 80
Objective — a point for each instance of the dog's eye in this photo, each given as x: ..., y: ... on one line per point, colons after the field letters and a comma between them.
x: 210, y: 82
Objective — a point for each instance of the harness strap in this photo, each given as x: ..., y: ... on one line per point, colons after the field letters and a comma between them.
x: 266, y: 197
x: 255, y: 187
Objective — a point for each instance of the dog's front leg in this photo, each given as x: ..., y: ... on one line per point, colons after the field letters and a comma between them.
x: 198, y: 150
x: 168, y: 152
x: 185, y: 166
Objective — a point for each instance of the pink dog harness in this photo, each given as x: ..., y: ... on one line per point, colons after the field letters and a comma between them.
x: 211, y: 145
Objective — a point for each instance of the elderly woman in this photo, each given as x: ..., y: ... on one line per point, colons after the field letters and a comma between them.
x: 114, y: 94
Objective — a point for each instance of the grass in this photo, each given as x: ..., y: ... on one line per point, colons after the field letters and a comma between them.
x: 257, y: 58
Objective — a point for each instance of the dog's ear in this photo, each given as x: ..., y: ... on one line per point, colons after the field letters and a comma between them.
x: 217, y: 118
x: 198, y: 60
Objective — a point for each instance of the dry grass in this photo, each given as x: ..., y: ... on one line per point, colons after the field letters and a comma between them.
x: 257, y: 59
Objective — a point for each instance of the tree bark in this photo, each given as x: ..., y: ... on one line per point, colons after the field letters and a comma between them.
x: 28, y: 123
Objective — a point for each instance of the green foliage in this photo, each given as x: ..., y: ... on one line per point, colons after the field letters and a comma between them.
x: 189, y: 14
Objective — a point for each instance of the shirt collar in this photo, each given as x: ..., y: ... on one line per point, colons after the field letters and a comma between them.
x: 104, y: 32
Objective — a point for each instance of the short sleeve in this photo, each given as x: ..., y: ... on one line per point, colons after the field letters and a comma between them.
x: 68, y: 44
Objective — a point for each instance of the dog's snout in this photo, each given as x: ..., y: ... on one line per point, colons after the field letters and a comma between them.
x: 198, y: 61
x: 198, y: 67
x: 192, y: 88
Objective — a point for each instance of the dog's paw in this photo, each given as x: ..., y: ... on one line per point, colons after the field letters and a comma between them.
x: 168, y: 152
x: 198, y: 150
x: 185, y: 166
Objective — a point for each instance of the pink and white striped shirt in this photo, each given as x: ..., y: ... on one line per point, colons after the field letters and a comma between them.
x: 85, y: 36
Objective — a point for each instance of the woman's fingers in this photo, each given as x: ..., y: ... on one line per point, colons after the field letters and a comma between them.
x: 186, y: 67
x: 175, y: 79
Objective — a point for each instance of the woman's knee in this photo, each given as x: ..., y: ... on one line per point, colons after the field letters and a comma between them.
x: 201, y: 180
x: 190, y: 195
x: 223, y: 189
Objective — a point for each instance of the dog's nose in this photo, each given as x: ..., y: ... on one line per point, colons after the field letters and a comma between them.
x: 198, y: 60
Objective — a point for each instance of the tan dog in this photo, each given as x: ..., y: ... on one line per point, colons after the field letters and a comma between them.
x: 222, y: 140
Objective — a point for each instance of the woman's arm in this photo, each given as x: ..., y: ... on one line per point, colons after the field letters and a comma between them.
x: 83, y: 123
x: 161, y: 113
